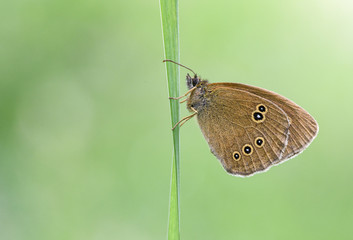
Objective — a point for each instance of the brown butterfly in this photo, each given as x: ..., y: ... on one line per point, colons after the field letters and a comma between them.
x: 249, y: 129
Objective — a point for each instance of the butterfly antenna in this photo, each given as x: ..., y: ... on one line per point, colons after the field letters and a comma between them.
x: 167, y: 60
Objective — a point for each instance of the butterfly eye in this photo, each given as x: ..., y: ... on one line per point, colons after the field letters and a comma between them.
x: 236, y: 156
x: 261, y: 108
x: 195, y: 81
x: 247, y: 149
x: 258, y: 117
x: 259, y: 141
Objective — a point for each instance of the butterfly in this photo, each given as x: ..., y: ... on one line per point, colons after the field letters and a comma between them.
x: 249, y: 129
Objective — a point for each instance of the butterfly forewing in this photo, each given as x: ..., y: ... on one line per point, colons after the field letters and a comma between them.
x: 303, y: 127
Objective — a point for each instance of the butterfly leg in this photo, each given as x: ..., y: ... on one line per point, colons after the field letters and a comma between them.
x: 185, y: 119
x: 184, y: 100
x: 188, y: 92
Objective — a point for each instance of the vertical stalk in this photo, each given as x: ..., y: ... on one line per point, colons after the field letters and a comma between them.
x: 170, y: 29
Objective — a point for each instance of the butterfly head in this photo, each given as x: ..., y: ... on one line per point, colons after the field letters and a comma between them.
x: 195, y: 81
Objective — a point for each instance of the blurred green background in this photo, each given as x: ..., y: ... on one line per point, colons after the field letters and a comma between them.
x: 85, y: 139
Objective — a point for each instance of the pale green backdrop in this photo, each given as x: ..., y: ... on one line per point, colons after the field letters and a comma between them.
x: 85, y: 139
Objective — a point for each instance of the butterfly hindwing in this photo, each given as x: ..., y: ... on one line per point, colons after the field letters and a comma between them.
x: 233, y: 124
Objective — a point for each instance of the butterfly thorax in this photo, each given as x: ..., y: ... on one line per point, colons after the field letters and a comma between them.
x: 199, y: 97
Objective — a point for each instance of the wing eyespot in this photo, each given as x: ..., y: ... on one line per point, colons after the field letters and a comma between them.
x: 262, y: 108
x: 259, y: 142
x: 258, y: 117
x: 236, y: 156
x: 247, y: 149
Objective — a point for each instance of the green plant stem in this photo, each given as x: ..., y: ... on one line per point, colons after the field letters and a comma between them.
x: 170, y: 29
